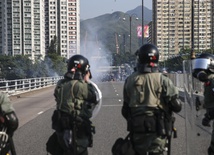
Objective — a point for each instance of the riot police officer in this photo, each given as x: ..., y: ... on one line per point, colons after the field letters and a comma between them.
x: 149, y: 100
x: 203, y: 70
x: 76, y: 99
x: 8, y: 124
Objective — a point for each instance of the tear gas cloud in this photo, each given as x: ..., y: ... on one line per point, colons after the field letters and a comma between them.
x: 100, y: 60
x: 99, y: 57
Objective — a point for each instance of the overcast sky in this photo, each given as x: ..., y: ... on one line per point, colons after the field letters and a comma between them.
x: 94, y: 8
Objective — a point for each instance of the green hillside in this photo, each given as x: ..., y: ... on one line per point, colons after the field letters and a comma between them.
x: 102, y: 33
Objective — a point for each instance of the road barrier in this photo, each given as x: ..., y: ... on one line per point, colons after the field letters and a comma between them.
x: 22, y: 85
x: 13, y: 87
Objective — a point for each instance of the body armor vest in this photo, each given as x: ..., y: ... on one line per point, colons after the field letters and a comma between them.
x: 147, y: 90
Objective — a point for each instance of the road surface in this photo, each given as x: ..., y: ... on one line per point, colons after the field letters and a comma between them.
x: 35, y: 109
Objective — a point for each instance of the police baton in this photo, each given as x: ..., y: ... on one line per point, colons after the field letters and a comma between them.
x: 169, y: 145
x: 12, y: 147
x: 174, y: 132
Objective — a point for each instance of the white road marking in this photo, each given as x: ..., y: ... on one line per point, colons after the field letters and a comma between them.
x: 40, y: 112
x: 111, y: 105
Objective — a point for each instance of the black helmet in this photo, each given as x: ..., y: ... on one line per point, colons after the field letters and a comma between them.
x: 202, y: 66
x: 79, y: 63
x: 148, y: 54
x: 147, y: 58
x: 205, y: 62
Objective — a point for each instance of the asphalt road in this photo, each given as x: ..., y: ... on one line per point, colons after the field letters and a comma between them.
x: 35, y: 109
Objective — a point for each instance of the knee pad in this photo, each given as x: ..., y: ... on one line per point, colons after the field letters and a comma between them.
x: 11, y: 122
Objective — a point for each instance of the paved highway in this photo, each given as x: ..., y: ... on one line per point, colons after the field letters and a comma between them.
x: 35, y: 109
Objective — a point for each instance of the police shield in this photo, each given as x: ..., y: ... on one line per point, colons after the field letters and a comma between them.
x: 197, y: 136
x: 97, y: 107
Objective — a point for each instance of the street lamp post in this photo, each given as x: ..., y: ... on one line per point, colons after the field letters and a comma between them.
x: 192, y: 56
x: 142, y: 23
x: 130, y: 33
x: 117, y: 42
x: 130, y: 29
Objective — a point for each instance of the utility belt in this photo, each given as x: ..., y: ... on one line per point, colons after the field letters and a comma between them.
x: 62, y: 121
x: 156, y: 121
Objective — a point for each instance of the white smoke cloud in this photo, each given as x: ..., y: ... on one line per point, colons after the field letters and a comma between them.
x: 99, y: 57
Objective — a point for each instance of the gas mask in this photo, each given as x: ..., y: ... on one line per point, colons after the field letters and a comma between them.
x: 201, y: 75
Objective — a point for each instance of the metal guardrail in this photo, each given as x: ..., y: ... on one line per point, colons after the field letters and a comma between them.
x: 13, y: 87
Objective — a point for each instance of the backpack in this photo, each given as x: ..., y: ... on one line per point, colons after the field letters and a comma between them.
x: 52, y: 145
x: 123, y: 146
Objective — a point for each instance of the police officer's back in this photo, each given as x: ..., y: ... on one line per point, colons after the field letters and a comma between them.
x: 76, y: 97
x: 8, y: 124
x: 149, y: 98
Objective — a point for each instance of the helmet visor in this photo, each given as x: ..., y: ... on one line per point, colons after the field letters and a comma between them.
x: 201, y: 63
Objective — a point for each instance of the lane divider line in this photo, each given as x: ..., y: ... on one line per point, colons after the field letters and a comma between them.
x: 112, y: 105
x: 40, y: 112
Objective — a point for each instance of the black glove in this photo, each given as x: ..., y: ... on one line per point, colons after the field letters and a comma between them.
x: 175, y: 104
x: 206, y: 122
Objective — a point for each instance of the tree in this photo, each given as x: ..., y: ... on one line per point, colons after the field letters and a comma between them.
x: 19, y: 67
x: 56, y: 65
x: 211, y: 51
x: 54, y: 47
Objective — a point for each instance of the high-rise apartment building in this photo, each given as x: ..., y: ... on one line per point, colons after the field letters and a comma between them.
x: 22, y: 28
x: 63, y: 22
x: 28, y: 26
x: 172, y: 26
